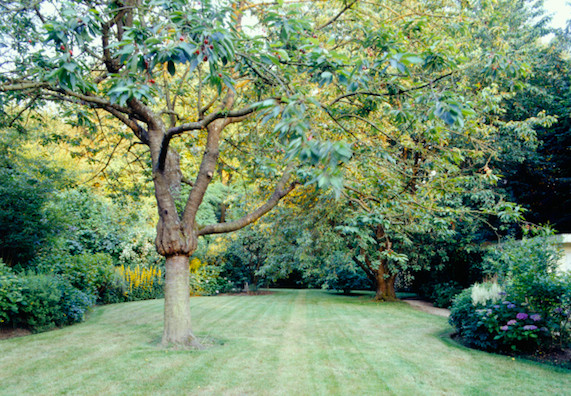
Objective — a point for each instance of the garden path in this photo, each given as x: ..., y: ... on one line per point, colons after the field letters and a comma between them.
x: 425, y: 306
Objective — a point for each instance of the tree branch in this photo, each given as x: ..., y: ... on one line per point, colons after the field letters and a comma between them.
x: 88, y: 98
x: 381, y: 94
x: 338, y: 15
x: 281, y: 191
x: 210, y: 119
x: 368, y: 271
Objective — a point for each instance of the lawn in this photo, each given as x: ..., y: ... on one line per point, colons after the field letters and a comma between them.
x: 289, y: 342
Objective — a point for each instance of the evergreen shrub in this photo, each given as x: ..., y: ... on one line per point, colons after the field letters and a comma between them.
x: 10, y: 294
x: 50, y: 301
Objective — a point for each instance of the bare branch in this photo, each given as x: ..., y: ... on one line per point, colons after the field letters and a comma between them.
x: 282, y: 189
x: 367, y: 196
x: 381, y: 94
x: 337, y: 16
x: 368, y: 270
x: 204, y: 109
x: 30, y: 104
x: 210, y: 119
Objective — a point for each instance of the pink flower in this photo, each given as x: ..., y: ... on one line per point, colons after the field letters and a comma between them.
x: 521, y: 316
x: 512, y: 322
x: 530, y: 327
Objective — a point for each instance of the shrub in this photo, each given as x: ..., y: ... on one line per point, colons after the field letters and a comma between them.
x: 517, y: 258
x: 442, y: 294
x: 89, y: 223
x: 90, y: 273
x: 466, y: 321
x: 26, y: 186
x: 485, y: 292
x: 10, y: 294
x: 513, y: 326
x: 559, y: 316
x: 528, y: 272
x: 116, y: 290
x: 503, y: 324
x: 139, y: 249
x: 49, y: 301
x: 206, y: 281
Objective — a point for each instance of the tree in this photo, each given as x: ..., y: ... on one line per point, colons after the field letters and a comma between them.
x: 162, y: 69
x: 422, y: 150
x: 538, y: 174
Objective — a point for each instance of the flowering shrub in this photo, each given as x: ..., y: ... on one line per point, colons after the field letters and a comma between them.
x: 485, y: 292
x: 507, y: 325
x: 468, y: 324
x: 141, y: 283
x: 527, y: 272
x: 513, y: 327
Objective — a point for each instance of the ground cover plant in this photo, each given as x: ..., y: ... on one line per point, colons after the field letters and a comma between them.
x: 287, y: 342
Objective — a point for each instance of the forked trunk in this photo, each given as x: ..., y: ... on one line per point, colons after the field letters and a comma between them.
x: 177, y: 330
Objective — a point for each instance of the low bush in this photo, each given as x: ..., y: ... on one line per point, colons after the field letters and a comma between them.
x: 442, y: 294
x: 488, y: 320
x: 528, y: 272
x: 514, y: 327
x: 467, y: 323
x: 10, y: 294
x: 49, y: 301
x: 205, y: 280
x: 90, y: 273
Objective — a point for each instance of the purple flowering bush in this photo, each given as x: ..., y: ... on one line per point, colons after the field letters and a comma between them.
x: 509, y: 326
x: 513, y: 327
x: 528, y: 272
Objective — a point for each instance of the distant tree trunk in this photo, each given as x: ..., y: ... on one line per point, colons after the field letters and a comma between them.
x: 381, y: 276
x: 385, y: 284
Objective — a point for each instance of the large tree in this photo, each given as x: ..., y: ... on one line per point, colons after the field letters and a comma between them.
x: 176, y: 69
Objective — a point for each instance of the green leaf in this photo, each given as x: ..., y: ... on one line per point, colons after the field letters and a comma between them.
x: 171, y: 68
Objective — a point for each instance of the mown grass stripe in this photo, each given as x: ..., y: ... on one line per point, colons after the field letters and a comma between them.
x: 289, y: 342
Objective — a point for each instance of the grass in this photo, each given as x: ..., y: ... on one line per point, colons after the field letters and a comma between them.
x: 286, y: 343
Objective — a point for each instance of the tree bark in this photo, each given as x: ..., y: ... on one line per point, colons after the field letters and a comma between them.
x: 385, y: 284
x: 177, y: 329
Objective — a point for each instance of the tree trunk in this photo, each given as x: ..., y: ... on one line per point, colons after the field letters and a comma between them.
x: 177, y: 330
x: 385, y: 284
